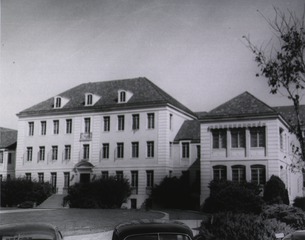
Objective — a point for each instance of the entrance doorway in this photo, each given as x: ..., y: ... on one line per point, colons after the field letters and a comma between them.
x: 133, y: 203
x: 84, y: 178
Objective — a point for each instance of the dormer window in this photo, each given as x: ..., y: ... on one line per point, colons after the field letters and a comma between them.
x: 124, y: 96
x: 91, y: 99
x: 58, y: 102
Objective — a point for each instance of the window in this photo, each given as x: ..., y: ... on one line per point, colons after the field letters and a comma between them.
x: 134, y: 181
x: 149, y: 178
x: 56, y: 126
x: 57, y: 102
x: 219, y: 138
x: 135, y: 149
x: 150, y: 120
x: 28, y: 176
x: 67, y: 154
x: 29, y: 154
x: 69, y: 126
x: 66, y: 180
x: 170, y: 121
x: 42, y: 152
x: 107, y: 124
x: 105, y: 150
x: 198, y: 151
x: 9, y: 158
x: 86, y: 151
x: 40, y: 177
x: 150, y: 149
x: 238, y: 138
x: 105, y: 175
x: 53, y: 180
x: 135, y: 121
x: 281, y: 133
x: 185, y: 150
x: 121, y: 123
x: 31, y: 128
x: 257, y: 136
x: 258, y: 174
x: 87, y: 125
x: 238, y: 173
x: 1, y: 156
x: 43, y: 128
x: 119, y: 175
x: 120, y: 150
x: 54, y: 152
x: 89, y: 99
x: 122, y: 97
x: 219, y: 172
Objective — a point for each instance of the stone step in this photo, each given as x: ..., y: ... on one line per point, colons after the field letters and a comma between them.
x: 54, y: 201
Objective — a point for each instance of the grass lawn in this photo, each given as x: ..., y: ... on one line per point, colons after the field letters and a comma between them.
x: 85, y: 221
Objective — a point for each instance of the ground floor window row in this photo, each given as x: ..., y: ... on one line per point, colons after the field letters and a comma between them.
x: 258, y: 173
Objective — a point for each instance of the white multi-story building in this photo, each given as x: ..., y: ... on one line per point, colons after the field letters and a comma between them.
x: 246, y: 140
x: 122, y: 127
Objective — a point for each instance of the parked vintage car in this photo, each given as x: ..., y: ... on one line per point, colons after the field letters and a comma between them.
x: 30, y: 231
x: 152, y: 230
x: 297, y: 235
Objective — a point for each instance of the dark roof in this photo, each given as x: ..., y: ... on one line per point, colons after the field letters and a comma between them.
x: 121, y: 231
x: 288, y: 113
x: 145, y: 94
x: 241, y: 106
x: 8, y: 137
x: 190, y: 130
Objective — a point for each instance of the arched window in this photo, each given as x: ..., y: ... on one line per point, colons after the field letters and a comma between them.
x: 219, y: 172
x: 238, y: 173
x: 258, y: 174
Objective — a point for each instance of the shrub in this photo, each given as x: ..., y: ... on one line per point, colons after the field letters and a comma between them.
x: 275, y: 191
x: 299, y: 202
x: 102, y: 193
x: 16, y: 191
x: 232, y: 196
x: 228, y: 226
x: 174, y: 192
x: 290, y: 215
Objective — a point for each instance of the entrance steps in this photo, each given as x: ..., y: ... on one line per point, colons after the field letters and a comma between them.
x: 53, y: 202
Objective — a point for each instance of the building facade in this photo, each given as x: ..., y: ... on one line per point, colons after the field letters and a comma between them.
x: 246, y: 140
x: 122, y: 128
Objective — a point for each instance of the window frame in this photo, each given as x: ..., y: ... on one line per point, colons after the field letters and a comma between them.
x: 67, y: 152
x: 29, y: 155
x: 185, y: 150
x: 68, y: 126
x: 150, y: 120
x: 121, y: 122
x: 241, y: 173
x: 120, y: 150
x: 105, y: 150
x: 149, y: 178
x: 43, y: 130
x: 135, y: 149
x: 54, y: 155
x: 42, y: 153
x: 257, y: 137
x: 260, y: 171
x: 55, y: 127
x: 135, y: 121
x: 31, y: 128
x: 150, y: 149
x: 106, y: 123
x: 220, y: 172
x: 219, y: 138
x: 238, y: 137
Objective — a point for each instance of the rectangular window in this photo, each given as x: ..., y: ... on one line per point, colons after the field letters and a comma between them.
x: 31, y: 128
x: 87, y: 125
x: 66, y: 180
x: 198, y: 151
x: 89, y: 99
x: 257, y: 136
x: 43, y: 128
x: 258, y: 174
x: 42, y: 153
x: 1, y: 156
x: 149, y: 179
x: 106, y: 124
x: 29, y: 154
x: 54, y: 152
x: 28, y: 176
x: 281, y: 133
x: 86, y: 151
x: 219, y: 173
x: 238, y: 137
x: 170, y: 121
x: 134, y: 181
x: 105, y: 150
x: 119, y: 175
x: 135, y: 149
x: 121, y: 123
x: 120, y: 150
x: 185, y: 150
x: 238, y: 173
x: 135, y: 121
x: 69, y: 126
x: 54, y: 180
x: 105, y: 175
x: 67, y: 153
x: 55, y: 126
x: 150, y: 120
x: 58, y: 102
x: 40, y: 177
x: 150, y: 149
x: 219, y: 138
x: 10, y: 158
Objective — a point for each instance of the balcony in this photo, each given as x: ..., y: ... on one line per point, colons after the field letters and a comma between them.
x: 85, y: 137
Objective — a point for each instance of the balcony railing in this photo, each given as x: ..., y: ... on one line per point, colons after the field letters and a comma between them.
x: 86, y: 136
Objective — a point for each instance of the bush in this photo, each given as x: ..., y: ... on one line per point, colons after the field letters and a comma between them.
x: 299, y: 202
x: 228, y: 226
x: 292, y: 216
x: 16, y: 191
x: 102, y: 193
x: 275, y: 191
x: 174, y: 192
x: 232, y: 196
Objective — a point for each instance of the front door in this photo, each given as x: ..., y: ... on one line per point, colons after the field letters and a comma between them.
x: 84, y: 178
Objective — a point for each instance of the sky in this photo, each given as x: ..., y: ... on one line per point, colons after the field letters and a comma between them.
x: 192, y: 49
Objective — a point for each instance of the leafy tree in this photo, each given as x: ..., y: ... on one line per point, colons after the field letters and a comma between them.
x: 275, y: 191
x: 283, y: 64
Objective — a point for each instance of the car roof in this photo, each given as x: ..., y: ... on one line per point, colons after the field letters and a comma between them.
x: 143, y: 226
x: 28, y: 227
x: 298, y: 235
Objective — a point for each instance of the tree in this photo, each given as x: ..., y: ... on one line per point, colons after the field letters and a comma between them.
x: 283, y: 65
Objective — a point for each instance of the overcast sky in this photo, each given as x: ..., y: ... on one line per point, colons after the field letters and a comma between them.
x: 192, y: 49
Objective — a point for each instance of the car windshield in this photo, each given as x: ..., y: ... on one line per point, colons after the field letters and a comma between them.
x: 158, y: 237
x: 26, y: 236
